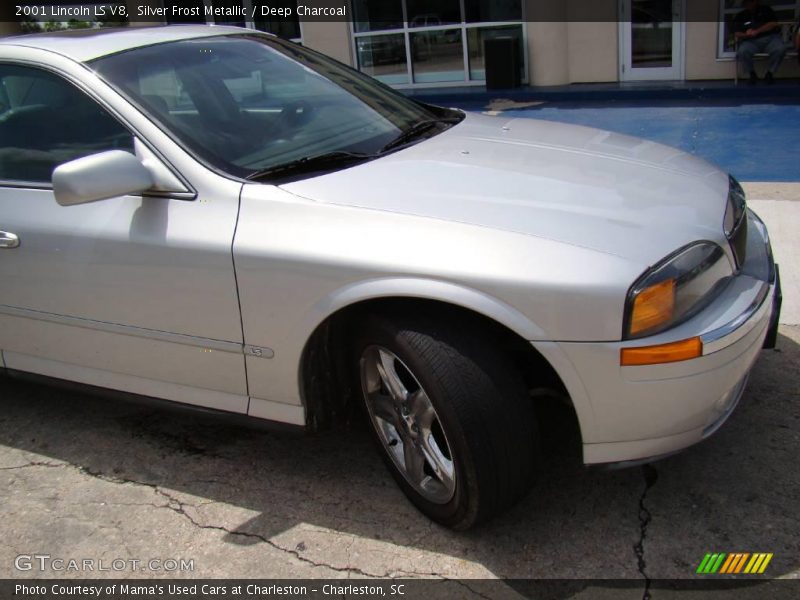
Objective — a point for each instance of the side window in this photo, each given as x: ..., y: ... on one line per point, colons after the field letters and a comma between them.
x: 46, y: 121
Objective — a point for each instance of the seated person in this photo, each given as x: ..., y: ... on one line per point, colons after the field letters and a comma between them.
x: 757, y: 30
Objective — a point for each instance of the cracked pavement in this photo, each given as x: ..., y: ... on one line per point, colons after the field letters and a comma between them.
x: 82, y: 476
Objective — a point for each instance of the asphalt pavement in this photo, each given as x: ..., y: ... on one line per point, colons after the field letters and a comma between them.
x: 83, y: 477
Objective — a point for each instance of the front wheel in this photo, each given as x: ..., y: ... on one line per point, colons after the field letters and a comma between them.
x: 451, y: 415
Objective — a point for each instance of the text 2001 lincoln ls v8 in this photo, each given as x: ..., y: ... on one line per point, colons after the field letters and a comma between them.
x: 216, y: 217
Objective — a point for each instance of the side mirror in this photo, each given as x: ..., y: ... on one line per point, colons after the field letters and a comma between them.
x: 100, y: 176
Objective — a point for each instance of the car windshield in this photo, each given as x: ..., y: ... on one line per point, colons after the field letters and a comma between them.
x: 245, y: 104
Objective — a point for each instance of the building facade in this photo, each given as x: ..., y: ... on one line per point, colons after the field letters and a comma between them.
x: 423, y: 43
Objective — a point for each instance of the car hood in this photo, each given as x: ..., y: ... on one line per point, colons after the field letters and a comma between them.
x: 591, y: 188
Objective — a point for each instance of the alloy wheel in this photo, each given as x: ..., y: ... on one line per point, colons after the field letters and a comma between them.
x: 407, y: 424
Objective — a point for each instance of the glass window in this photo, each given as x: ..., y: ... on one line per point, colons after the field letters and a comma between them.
x: 223, y: 19
x: 425, y: 13
x: 487, y: 11
x: 372, y: 15
x: 254, y: 102
x: 651, y: 34
x: 476, y: 37
x: 437, y: 56
x: 248, y: 90
x: 285, y: 27
x: 436, y: 32
x: 162, y: 92
x: 383, y: 57
x: 46, y: 121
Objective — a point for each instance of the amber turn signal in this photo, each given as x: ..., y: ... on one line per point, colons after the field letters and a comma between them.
x: 653, y: 307
x: 662, y: 353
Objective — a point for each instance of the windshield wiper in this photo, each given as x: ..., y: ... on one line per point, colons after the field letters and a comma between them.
x: 310, y: 164
x: 416, y: 130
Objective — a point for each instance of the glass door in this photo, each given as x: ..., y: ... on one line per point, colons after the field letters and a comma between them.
x: 651, y: 40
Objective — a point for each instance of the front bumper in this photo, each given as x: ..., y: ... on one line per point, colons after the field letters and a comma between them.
x: 635, y: 413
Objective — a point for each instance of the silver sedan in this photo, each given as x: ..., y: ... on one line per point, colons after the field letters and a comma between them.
x: 215, y: 217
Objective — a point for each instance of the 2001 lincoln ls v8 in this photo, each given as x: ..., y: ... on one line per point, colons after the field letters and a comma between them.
x: 216, y: 217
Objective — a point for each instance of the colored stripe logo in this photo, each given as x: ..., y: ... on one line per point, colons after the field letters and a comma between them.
x: 734, y: 562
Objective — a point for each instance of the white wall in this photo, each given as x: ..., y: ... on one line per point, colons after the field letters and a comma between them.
x: 548, y: 54
x: 570, y: 51
x: 331, y: 38
x: 593, y: 52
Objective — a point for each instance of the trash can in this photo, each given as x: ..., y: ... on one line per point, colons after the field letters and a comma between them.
x: 501, y: 59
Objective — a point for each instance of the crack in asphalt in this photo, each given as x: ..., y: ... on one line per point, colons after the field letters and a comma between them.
x: 179, y: 507
x: 34, y: 463
x: 469, y: 587
x: 650, y: 477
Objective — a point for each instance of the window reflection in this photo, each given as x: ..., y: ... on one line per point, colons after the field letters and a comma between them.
x: 287, y: 28
x: 423, y: 13
x: 437, y: 56
x: 222, y: 19
x: 482, y: 11
x: 369, y: 15
x: 436, y: 32
x: 651, y: 33
x: 383, y: 57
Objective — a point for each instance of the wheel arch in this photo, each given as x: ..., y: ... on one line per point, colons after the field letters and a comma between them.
x: 325, y: 385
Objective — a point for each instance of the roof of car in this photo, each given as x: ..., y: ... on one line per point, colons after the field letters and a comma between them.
x: 87, y: 44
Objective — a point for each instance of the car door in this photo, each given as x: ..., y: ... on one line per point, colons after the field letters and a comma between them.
x: 135, y: 293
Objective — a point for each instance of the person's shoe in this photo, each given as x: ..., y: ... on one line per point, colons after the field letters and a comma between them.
x: 753, y: 78
x: 769, y: 78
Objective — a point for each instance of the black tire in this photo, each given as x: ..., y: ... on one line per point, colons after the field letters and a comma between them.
x: 482, y: 406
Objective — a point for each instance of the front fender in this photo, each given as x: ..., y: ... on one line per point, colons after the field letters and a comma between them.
x: 426, y: 289
x: 456, y: 295
x: 279, y: 378
x: 298, y: 262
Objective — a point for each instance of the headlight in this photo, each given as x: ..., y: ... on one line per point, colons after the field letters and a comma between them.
x: 737, y: 204
x: 735, y: 221
x: 675, y: 289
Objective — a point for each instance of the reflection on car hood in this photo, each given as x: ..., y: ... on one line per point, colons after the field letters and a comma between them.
x: 591, y: 188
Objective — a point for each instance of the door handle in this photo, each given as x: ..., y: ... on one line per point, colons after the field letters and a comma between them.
x: 8, y: 240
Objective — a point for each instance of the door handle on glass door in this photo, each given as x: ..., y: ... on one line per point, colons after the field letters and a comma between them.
x: 8, y: 240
